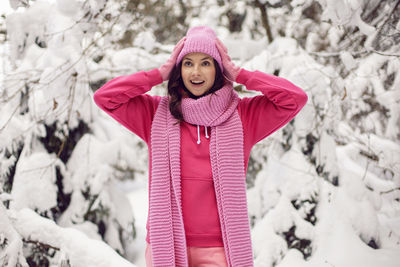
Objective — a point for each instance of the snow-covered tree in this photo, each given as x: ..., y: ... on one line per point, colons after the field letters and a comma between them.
x: 332, y: 174
x: 53, y: 161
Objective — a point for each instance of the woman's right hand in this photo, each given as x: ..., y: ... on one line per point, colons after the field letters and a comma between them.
x: 167, y: 67
x: 231, y: 71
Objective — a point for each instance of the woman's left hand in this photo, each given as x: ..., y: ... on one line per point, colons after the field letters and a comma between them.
x: 231, y: 71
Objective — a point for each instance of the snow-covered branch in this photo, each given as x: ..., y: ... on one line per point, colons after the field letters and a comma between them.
x: 79, y: 249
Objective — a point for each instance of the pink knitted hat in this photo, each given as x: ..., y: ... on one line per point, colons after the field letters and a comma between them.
x: 200, y: 39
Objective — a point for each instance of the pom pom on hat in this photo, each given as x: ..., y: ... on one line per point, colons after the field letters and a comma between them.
x: 200, y: 39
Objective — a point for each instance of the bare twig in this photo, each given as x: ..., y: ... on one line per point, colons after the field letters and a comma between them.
x: 8, y: 120
x: 336, y: 54
x: 383, y: 53
x: 37, y: 243
x: 389, y: 191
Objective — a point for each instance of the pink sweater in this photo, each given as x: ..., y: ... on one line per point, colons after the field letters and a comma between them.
x: 124, y: 99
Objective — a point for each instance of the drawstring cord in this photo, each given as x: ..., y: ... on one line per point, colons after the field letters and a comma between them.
x: 198, y: 134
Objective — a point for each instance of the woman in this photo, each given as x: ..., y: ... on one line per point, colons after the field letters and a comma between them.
x: 199, y: 139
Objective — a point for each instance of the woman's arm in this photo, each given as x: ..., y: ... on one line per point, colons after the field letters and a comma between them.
x: 264, y: 114
x: 124, y: 99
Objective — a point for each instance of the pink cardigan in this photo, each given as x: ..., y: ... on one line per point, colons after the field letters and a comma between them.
x: 124, y: 99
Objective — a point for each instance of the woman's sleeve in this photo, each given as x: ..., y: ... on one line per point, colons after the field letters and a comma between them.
x: 264, y: 114
x: 124, y: 99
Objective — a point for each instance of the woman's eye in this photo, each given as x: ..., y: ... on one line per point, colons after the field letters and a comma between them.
x: 206, y: 63
x: 187, y: 63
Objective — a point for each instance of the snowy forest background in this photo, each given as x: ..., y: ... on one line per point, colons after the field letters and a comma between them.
x: 322, y: 191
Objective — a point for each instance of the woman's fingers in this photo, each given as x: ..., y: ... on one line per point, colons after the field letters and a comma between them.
x: 178, y: 47
x: 223, y: 51
x: 221, y: 46
x: 231, y: 71
x: 166, y: 68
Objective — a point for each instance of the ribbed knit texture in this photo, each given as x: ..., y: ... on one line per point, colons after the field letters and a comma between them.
x: 201, y: 39
x: 167, y: 234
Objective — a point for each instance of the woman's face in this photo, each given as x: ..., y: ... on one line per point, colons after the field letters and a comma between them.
x: 198, y: 72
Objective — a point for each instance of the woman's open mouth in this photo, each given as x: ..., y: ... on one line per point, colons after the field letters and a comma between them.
x: 197, y: 82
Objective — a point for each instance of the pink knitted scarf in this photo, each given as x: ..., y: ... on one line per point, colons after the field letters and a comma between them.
x: 167, y: 234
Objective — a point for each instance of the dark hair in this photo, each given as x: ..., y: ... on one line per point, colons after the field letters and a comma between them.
x: 175, y: 86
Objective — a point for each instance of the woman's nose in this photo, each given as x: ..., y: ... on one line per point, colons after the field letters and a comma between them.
x: 196, y: 69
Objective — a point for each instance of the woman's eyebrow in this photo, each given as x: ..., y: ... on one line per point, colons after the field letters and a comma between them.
x: 188, y: 58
